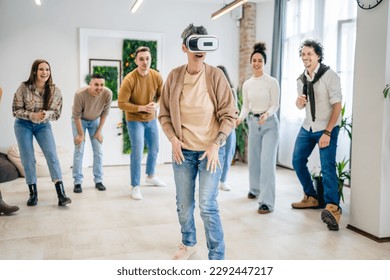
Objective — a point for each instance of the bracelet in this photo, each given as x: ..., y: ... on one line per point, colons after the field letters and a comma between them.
x: 327, y: 132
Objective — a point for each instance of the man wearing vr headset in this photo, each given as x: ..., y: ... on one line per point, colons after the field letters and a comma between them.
x: 197, y: 113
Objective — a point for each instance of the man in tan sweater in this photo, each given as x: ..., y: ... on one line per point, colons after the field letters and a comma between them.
x: 90, y: 109
x: 138, y: 97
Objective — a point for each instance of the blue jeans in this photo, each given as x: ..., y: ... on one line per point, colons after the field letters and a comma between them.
x: 262, y: 148
x: 185, y: 177
x: 230, y: 148
x: 138, y: 133
x: 304, y: 145
x: 97, y: 149
x: 24, y: 132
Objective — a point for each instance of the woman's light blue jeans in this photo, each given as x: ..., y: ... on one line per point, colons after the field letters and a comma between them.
x: 24, y: 132
x: 142, y: 133
x: 230, y: 148
x: 97, y: 149
x: 304, y: 145
x: 185, y: 180
x: 262, y: 148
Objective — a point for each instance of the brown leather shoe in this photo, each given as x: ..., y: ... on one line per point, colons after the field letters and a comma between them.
x: 5, y: 208
x: 331, y: 216
x: 305, y: 203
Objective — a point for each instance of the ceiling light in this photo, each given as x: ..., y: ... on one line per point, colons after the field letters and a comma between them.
x: 228, y: 8
x: 38, y: 2
x: 136, y: 5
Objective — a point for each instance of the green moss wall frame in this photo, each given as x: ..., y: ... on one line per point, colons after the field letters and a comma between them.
x: 108, y: 47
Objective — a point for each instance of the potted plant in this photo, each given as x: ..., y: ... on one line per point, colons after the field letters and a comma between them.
x: 346, y: 123
x: 241, y: 132
x: 343, y: 174
x: 316, y: 176
x: 386, y: 91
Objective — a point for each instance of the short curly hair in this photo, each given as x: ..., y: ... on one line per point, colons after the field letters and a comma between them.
x: 318, y: 48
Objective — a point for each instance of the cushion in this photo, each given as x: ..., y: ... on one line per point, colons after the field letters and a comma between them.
x: 42, y: 169
x: 8, y: 170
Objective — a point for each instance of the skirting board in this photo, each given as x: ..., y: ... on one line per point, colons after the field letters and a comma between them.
x: 369, y: 235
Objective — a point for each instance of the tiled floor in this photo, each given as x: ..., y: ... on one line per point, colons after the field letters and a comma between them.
x: 110, y: 225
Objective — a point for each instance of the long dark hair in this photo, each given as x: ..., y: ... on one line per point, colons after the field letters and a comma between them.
x: 49, y: 85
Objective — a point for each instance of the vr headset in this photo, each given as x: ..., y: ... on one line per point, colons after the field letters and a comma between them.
x: 202, y: 43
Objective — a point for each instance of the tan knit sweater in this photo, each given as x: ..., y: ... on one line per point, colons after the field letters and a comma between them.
x: 220, y: 93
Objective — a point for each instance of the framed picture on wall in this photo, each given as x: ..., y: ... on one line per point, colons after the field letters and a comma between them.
x: 111, y: 70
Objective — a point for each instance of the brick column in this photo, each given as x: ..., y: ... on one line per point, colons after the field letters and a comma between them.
x: 247, y: 40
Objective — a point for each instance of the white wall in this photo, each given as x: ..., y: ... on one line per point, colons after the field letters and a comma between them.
x: 370, y: 176
x: 51, y: 31
x: 265, y: 28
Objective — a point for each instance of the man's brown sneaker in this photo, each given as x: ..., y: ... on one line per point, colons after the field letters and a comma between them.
x: 331, y: 216
x: 306, y: 202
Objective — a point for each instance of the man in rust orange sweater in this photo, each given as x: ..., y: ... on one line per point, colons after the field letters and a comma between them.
x: 138, y: 97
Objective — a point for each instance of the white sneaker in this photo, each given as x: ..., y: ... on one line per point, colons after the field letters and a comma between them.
x: 184, y: 252
x: 155, y: 181
x: 136, y: 193
x: 224, y: 187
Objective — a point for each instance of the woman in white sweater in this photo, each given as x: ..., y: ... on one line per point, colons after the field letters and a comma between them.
x: 261, y: 102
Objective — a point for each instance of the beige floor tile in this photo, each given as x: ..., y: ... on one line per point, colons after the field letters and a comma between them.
x: 110, y: 225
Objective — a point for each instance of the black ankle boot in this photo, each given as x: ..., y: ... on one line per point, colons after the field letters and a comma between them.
x: 62, y: 199
x: 33, y: 200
